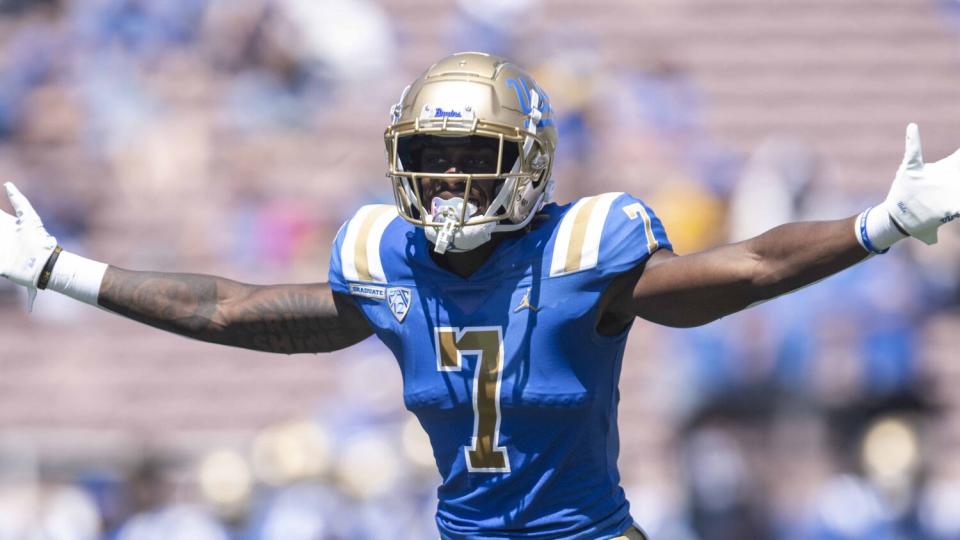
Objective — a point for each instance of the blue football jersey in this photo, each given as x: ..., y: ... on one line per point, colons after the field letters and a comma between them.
x: 505, y: 369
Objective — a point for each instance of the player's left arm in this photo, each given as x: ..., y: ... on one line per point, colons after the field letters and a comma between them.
x: 695, y: 289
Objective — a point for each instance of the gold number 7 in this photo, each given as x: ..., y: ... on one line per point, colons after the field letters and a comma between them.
x: 483, y: 454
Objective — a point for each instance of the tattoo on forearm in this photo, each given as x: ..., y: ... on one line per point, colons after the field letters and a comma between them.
x: 290, y: 321
x: 280, y: 318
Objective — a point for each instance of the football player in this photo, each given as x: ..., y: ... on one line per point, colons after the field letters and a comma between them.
x: 507, y: 314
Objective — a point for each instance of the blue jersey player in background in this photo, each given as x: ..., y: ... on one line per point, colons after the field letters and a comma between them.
x: 507, y: 314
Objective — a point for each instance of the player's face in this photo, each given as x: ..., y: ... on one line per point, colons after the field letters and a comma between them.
x: 460, y: 156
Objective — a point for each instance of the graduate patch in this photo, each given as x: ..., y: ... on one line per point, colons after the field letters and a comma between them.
x: 367, y: 291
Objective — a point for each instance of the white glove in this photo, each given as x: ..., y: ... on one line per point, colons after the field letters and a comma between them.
x: 25, y: 246
x: 924, y: 197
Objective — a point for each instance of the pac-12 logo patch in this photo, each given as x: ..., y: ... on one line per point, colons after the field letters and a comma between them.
x: 399, y: 300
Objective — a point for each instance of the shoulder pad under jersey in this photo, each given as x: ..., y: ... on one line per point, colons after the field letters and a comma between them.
x: 608, y: 233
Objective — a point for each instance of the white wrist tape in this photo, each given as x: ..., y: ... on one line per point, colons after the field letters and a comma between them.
x: 77, y: 277
x: 875, y: 231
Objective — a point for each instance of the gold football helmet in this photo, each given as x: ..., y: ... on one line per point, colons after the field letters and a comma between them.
x: 480, y: 99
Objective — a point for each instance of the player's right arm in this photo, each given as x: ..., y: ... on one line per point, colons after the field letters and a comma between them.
x: 273, y: 318
x: 308, y: 318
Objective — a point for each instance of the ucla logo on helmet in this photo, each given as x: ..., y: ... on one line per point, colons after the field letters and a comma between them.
x: 524, y: 98
x: 398, y: 298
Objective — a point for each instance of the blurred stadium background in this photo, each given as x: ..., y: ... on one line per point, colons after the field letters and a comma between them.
x: 234, y: 136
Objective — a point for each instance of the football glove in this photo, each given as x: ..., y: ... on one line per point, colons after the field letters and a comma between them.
x: 25, y: 246
x: 924, y: 196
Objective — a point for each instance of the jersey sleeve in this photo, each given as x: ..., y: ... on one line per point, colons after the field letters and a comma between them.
x: 632, y: 232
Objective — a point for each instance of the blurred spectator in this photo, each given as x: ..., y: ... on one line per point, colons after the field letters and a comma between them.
x: 572, y: 74
x: 305, y: 512
x: 951, y: 8
x: 774, y: 187
x: 48, y: 513
x: 30, y: 57
x: 158, y: 516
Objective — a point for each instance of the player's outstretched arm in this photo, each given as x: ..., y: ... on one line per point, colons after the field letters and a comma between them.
x: 308, y: 318
x: 274, y: 318
x: 695, y: 289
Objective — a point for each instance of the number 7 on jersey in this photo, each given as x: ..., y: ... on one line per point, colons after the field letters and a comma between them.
x: 486, y: 342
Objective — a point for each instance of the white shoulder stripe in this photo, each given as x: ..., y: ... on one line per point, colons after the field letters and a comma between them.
x: 360, y: 251
x: 577, y: 246
x: 347, y: 259
x: 373, y: 244
x: 598, y: 218
x: 562, y: 242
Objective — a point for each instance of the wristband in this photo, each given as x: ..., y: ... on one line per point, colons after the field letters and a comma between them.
x: 876, y: 231
x: 48, y: 269
x: 77, y: 277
